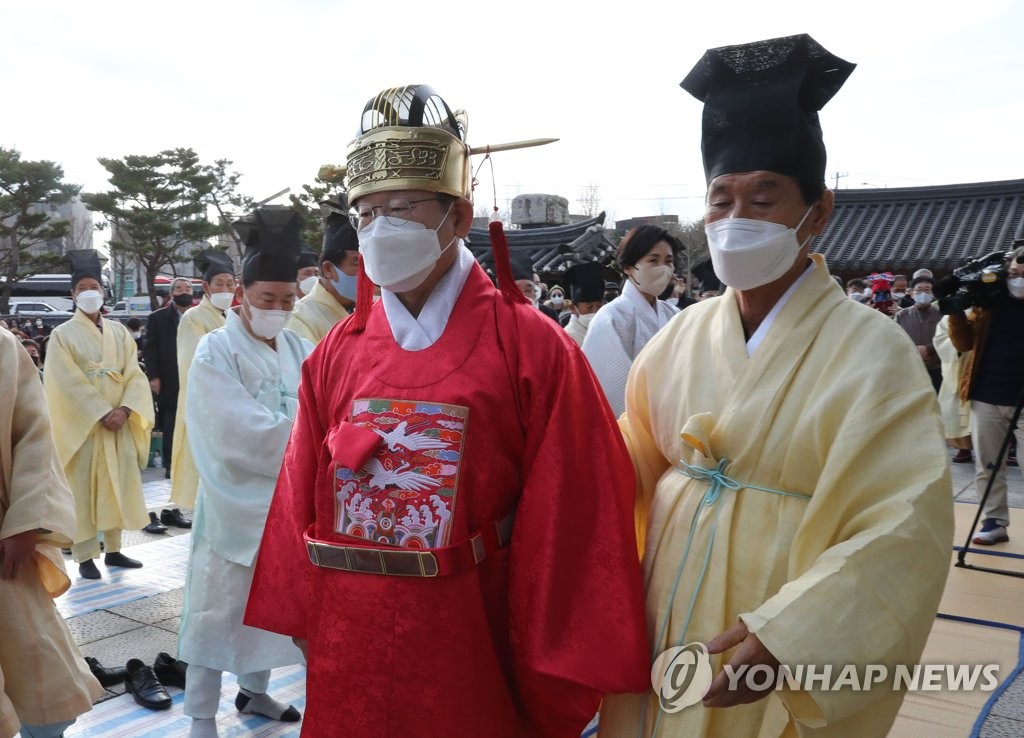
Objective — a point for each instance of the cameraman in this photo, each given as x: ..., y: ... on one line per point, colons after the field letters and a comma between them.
x: 993, y: 381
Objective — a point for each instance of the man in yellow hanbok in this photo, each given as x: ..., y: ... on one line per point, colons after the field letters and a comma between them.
x: 218, y: 295
x: 101, y: 411
x: 795, y: 497
x: 333, y: 295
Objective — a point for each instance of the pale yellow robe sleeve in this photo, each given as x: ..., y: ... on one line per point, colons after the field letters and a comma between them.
x: 137, y: 396
x: 887, y: 485
x: 648, y: 462
x: 195, y: 323
x: 34, y: 493
x: 299, y: 326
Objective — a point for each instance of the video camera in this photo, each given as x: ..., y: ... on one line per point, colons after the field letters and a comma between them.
x: 978, y: 282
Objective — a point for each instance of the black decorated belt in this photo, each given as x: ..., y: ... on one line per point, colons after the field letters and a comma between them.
x: 406, y: 562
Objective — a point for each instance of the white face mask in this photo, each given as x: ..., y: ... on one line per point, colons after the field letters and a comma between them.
x: 584, y: 320
x: 898, y: 295
x: 266, y: 323
x: 400, y: 257
x: 222, y: 300
x: 89, y: 301
x: 652, y: 280
x: 747, y: 253
x: 308, y: 284
x: 1016, y: 287
x: 924, y: 298
x: 136, y: 334
x: 557, y: 301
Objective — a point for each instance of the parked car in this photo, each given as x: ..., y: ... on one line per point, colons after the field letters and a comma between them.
x: 33, y: 309
x: 138, y: 306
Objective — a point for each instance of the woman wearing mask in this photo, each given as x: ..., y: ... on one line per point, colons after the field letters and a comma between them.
x: 558, y: 302
x: 646, y: 256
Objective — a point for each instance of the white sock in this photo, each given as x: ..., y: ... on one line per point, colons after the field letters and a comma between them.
x: 264, y: 704
x: 203, y: 728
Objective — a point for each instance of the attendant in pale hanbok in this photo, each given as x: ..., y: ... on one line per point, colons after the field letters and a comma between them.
x: 624, y: 326
x: 586, y: 285
x: 219, y: 292
x: 333, y: 295
x: 794, y: 499
x: 242, y: 397
x: 101, y: 410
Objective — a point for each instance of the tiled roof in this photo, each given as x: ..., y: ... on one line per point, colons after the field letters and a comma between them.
x: 585, y: 240
x: 905, y: 228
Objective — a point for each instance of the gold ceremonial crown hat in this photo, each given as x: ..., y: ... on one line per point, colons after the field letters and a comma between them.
x: 409, y: 139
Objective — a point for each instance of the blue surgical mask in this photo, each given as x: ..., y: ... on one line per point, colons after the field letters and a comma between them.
x: 345, y: 284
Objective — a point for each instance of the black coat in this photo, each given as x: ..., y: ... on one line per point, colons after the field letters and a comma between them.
x: 161, y: 353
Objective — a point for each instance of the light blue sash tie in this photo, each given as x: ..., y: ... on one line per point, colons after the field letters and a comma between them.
x: 717, y: 481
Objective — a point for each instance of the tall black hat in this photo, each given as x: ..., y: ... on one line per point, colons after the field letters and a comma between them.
x: 586, y: 282
x: 272, y: 245
x: 705, y: 272
x: 761, y: 103
x: 339, y: 237
x: 308, y: 257
x: 83, y: 263
x: 522, y: 265
x: 213, y: 262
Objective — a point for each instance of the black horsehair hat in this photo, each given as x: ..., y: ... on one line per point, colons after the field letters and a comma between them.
x: 82, y: 263
x: 271, y: 237
x: 761, y: 103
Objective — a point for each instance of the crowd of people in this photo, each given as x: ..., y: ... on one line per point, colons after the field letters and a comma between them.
x: 487, y: 505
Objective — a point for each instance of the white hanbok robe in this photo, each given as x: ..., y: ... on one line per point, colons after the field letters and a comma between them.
x: 616, y: 335
x: 242, y: 398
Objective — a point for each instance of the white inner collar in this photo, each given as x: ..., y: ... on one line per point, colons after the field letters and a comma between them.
x: 423, y: 331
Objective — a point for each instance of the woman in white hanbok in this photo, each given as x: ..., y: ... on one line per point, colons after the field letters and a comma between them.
x: 624, y: 326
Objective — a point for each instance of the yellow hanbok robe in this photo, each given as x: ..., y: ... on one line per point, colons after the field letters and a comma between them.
x: 956, y: 413
x: 841, y: 558
x: 89, y: 373
x: 315, y: 314
x: 195, y: 323
x: 43, y: 678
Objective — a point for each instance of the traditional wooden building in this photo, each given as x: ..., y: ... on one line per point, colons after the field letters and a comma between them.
x: 901, y: 229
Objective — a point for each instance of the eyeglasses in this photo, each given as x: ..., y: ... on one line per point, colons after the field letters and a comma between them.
x: 395, y: 212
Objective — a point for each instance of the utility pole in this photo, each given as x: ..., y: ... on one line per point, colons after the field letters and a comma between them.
x: 838, y: 175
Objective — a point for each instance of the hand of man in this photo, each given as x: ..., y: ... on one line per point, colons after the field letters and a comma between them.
x: 923, y: 351
x: 115, y: 419
x: 154, y: 385
x: 15, y: 551
x: 749, y: 652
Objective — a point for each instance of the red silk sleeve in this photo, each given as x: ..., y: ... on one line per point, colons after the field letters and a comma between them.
x: 576, y: 602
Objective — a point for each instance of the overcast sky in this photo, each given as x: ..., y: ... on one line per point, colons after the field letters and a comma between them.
x: 937, y: 96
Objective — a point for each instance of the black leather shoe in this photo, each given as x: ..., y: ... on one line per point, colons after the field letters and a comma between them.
x: 154, y: 525
x: 106, y: 677
x: 175, y: 517
x: 119, y: 559
x: 87, y: 570
x: 143, y: 685
x: 169, y: 670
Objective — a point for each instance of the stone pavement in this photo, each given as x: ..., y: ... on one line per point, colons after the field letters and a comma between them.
x: 135, y: 614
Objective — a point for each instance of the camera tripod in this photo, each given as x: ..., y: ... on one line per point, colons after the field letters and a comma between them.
x: 994, y: 467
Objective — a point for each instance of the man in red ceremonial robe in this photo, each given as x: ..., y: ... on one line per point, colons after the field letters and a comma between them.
x: 452, y: 561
